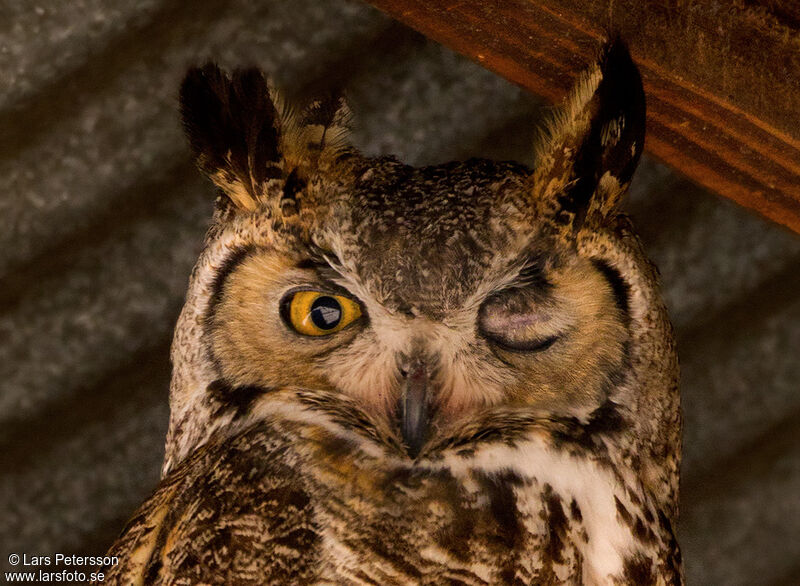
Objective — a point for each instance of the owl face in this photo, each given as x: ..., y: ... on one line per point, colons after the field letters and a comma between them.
x: 484, y: 310
x: 427, y: 297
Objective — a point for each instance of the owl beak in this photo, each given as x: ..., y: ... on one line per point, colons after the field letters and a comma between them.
x: 414, y: 409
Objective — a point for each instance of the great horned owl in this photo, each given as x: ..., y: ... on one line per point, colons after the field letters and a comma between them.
x: 461, y: 373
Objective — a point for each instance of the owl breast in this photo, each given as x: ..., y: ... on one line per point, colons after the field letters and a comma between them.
x: 302, y: 498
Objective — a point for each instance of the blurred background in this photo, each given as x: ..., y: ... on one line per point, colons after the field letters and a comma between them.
x: 102, y: 216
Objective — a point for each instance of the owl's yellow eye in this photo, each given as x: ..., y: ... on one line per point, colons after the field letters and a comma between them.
x: 313, y: 313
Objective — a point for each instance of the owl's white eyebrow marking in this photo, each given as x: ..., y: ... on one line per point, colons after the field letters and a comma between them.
x: 319, y: 256
x: 532, y: 273
x: 525, y: 270
x: 327, y: 275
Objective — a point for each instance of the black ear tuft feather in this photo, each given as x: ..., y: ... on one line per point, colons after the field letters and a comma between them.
x: 231, y: 124
x: 607, y: 135
x: 620, y: 96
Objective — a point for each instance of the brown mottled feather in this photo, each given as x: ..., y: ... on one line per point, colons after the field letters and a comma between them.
x: 503, y: 410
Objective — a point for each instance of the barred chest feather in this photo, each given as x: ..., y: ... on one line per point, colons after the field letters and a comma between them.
x: 291, y: 494
x: 535, y: 509
x: 524, y: 514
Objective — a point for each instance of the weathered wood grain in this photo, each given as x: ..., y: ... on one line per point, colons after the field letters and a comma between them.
x: 722, y: 78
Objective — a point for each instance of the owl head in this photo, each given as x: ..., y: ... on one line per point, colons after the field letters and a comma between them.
x: 428, y: 300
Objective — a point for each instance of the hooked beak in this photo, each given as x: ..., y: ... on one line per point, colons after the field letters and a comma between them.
x: 414, y: 410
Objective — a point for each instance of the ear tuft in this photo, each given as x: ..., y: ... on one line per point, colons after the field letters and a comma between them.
x: 619, y: 122
x: 244, y: 135
x: 587, y: 161
x: 232, y: 126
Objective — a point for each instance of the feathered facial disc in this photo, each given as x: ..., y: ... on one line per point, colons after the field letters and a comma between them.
x: 426, y: 295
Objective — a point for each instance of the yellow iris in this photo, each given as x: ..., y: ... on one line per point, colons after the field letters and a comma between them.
x: 313, y: 313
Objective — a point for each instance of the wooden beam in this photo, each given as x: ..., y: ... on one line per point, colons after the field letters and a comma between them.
x: 722, y: 78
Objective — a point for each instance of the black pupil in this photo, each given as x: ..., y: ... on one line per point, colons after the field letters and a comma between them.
x: 326, y: 313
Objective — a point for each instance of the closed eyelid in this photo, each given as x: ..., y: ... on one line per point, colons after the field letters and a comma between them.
x: 492, y: 322
x: 520, y: 320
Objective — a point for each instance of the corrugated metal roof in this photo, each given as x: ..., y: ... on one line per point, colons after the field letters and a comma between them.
x: 102, y: 216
